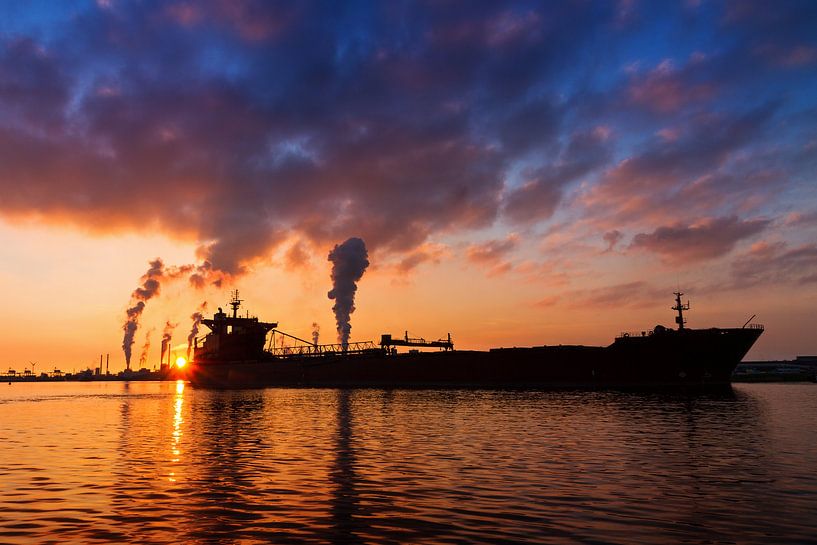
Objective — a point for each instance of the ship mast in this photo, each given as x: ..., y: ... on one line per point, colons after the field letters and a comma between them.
x: 680, y: 307
x: 235, y: 302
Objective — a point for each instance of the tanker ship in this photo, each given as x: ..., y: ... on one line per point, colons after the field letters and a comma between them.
x: 237, y: 354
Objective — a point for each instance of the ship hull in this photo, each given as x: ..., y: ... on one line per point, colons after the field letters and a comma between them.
x: 671, y: 358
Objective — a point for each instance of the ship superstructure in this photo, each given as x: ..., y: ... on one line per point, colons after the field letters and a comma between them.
x: 233, y: 337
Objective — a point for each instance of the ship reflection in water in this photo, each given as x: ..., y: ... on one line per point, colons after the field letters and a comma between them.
x: 164, y: 462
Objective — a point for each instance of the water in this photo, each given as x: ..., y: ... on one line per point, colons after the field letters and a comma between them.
x: 167, y: 463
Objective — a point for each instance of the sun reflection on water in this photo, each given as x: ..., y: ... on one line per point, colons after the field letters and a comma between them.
x: 178, y: 420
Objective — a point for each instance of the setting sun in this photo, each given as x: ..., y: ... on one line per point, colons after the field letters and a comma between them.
x: 180, y: 362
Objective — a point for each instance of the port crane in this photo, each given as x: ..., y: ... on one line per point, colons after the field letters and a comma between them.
x: 387, y: 340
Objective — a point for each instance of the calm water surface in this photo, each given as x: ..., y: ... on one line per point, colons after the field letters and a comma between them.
x: 167, y: 463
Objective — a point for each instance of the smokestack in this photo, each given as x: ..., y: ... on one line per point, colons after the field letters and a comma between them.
x: 196, y: 317
x: 349, y: 262
x: 166, y: 335
x: 107, y: 361
x: 316, y: 332
x: 150, y: 287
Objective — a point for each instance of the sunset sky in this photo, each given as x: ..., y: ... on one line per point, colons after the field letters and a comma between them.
x: 521, y: 172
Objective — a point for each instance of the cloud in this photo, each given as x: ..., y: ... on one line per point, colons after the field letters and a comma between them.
x: 628, y: 294
x: 796, y: 219
x: 33, y: 87
x: 783, y: 37
x: 236, y: 125
x: 492, y: 254
x: 537, y: 198
x: 666, y: 89
x: 492, y: 250
x: 707, y: 239
x: 428, y: 252
x: 296, y: 256
x: 775, y: 263
x: 240, y: 126
x: 659, y: 180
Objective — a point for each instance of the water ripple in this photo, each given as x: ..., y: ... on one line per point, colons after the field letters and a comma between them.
x: 165, y: 463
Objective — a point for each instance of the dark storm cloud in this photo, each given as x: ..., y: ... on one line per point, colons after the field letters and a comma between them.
x: 242, y: 125
x: 33, y: 89
x: 234, y: 124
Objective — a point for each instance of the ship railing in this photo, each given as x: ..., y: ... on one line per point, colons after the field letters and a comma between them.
x: 313, y: 350
x: 755, y: 326
x: 645, y: 333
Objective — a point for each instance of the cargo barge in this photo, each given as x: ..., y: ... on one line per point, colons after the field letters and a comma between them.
x: 236, y: 354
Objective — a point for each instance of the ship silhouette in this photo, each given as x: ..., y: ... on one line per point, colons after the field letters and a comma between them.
x: 236, y: 354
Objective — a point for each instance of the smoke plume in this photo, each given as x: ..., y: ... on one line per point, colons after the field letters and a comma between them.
x: 316, y: 332
x: 166, y: 335
x: 143, y: 358
x: 349, y: 261
x: 200, y: 276
x: 150, y: 287
x: 194, y: 330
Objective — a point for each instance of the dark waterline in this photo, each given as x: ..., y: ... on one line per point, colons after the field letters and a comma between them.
x: 165, y: 463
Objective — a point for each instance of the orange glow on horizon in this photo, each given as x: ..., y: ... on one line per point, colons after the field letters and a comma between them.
x: 523, y: 306
x: 180, y: 362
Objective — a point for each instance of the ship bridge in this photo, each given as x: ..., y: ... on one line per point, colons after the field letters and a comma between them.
x: 233, y: 337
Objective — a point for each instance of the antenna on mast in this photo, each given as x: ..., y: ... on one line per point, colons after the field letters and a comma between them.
x: 680, y: 307
x: 235, y: 302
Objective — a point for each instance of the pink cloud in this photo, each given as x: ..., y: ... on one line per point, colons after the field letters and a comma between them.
x: 707, y: 239
x: 184, y: 13
x: 297, y: 256
x: 628, y: 294
x: 426, y: 253
x: 788, y: 56
x: 538, y: 197
x: 510, y: 27
x: 665, y: 89
x: 493, y: 253
x: 770, y: 263
x: 800, y: 218
x: 665, y: 177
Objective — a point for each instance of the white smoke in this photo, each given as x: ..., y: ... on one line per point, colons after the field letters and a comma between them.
x: 194, y: 330
x: 349, y: 262
x: 143, y: 358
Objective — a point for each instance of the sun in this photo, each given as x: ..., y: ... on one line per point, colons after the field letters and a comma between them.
x: 180, y: 362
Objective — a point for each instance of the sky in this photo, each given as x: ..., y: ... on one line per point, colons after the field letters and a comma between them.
x: 522, y: 173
